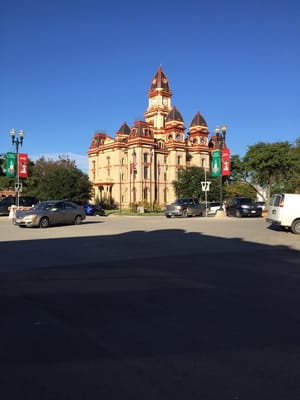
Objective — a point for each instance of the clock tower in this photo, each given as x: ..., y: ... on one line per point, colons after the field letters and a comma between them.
x: 159, y: 101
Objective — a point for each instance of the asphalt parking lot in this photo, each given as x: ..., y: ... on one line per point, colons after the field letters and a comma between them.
x: 150, y: 308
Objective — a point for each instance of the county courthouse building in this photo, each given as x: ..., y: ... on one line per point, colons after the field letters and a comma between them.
x: 140, y: 162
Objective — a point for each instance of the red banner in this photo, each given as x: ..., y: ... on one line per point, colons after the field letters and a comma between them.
x: 225, y: 162
x: 23, y: 165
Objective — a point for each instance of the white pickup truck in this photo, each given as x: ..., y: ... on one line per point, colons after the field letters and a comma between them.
x: 284, y: 210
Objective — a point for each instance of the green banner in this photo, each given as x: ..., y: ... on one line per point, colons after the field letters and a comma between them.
x: 11, y: 165
x: 216, y: 163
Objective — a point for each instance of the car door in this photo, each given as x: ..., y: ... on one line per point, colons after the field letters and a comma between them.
x: 191, y: 207
x: 275, y: 210
x: 58, y: 215
x: 71, y: 210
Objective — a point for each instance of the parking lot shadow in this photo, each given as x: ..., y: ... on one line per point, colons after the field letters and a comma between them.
x: 149, y: 315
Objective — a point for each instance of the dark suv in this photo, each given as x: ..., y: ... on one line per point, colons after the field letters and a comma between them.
x: 24, y: 201
x: 242, y: 207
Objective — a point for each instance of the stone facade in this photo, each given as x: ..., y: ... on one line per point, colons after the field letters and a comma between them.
x: 140, y: 163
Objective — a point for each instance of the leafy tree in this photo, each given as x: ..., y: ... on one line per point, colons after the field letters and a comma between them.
x: 188, y: 184
x: 59, y: 180
x: 240, y: 189
x: 238, y: 170
x: 271, y: 164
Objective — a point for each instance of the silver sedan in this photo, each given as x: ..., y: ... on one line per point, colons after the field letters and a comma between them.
x: 52, y: 212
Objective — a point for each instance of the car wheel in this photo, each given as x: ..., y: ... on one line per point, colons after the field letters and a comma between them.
x: 238, y: 214
x: 77, y: 220
x: 295, y: 228
x: 184, y: 213
x: 44, y: 222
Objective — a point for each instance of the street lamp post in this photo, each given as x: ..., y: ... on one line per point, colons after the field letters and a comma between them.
x: 221, y: 136
x: 17, y: 141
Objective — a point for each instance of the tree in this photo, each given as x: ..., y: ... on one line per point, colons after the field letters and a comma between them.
x: 271, y: 164
x: 59, y: 180
x: 237, y: 189
x: 188, y: 184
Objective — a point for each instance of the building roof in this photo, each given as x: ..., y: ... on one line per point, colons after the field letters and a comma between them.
x: 160, y: 81
x: 141, y: 128
x: 198, y: 120
x: 124, y: 129
x: 174, y: 115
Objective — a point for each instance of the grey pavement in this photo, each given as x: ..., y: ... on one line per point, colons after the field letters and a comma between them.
x: 150, y: 308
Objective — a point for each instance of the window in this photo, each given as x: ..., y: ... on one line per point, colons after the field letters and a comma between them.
x: 145, y: 172
x: 145, y: 194
x: 69, y: 205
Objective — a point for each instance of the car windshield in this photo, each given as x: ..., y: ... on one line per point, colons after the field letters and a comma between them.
x: 246, y: 200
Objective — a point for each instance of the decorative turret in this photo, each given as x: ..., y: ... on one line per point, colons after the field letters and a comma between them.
x: 198, y: 134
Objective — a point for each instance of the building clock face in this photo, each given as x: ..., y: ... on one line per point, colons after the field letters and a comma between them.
x: 165, y: 101
x: 202, y: 140
x: 153, y: 102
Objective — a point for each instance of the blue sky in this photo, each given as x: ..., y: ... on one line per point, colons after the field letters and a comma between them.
x: 71, y: 68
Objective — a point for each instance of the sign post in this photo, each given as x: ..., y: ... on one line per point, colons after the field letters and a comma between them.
x: 205, y: 188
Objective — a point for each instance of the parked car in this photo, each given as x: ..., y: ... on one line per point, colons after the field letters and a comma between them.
x: 52, y: 212
x: 185, y: 208
x: 214, y: 206
x: 24, y: 201
x: 242, y: 207
x: 94, y: 209
x: 261, y: 204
